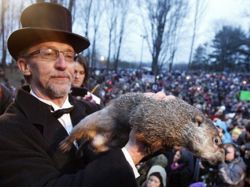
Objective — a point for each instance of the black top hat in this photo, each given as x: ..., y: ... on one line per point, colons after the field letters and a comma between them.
x: 44, y: 22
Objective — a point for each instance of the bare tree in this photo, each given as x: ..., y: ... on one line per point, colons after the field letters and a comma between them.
x: 5, y: 26
x: 83, y: 15
x: 121, y: 22
x: 158, y: 18
x: 54, y: 1
x: 71, y: 6
x: 40, y: 1
x: 4, y: 9
x: 97, y: 12
x: 160, y: 25
x: 87, y: 12
x: 172, y: 34
x: 199, y: 10
x: 112, y: 11
x: 12, y: 23
x: 163, y: 20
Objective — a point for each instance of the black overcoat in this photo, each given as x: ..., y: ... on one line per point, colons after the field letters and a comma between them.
x: 29, y: 138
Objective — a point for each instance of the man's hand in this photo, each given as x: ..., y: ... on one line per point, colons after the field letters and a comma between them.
x: 159, y: 96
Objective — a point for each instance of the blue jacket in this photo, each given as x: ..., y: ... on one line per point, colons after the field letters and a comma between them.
x: 227, y: 138
x: 232, y: 173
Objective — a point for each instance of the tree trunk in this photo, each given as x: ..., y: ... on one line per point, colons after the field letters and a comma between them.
x: 3, y: 32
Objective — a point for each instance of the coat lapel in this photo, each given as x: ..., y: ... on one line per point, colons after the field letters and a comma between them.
x: 41, y: 118
x: 39, y: 115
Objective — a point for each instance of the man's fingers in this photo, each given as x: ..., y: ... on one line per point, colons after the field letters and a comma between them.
x: 159, y: 96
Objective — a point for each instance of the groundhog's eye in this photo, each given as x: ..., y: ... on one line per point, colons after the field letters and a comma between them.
x: 217, y: 141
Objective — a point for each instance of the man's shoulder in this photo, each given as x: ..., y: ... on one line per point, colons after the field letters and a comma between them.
x: 11, y: 114
x: 10, y: 125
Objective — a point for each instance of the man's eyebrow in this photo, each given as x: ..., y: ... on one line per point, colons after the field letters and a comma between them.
x: 54, y: 47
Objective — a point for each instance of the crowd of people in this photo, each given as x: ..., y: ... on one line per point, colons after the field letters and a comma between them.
x: 60, y: 91
x: 207, y: 91
x: 216, y: 94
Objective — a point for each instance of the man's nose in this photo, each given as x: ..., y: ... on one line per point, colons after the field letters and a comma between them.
x: 60, y: 62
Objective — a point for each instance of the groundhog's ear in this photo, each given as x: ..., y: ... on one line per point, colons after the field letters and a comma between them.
x: 198, y: 120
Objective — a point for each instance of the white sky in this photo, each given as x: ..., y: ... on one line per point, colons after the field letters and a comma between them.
x: 224, y: 12
x: 216, y: 14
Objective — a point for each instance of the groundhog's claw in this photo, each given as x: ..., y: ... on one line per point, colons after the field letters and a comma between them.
x: 65, y: 146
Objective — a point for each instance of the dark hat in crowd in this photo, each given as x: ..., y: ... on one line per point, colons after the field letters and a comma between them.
x: 43, y: 22
x: 247, y: 146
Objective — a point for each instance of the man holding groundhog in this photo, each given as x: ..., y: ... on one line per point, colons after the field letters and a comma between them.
x: 44, y: 113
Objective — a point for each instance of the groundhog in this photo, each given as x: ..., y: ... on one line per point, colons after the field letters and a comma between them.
x: 158, y: 124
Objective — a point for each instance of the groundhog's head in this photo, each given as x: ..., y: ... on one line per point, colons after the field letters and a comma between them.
x: 203, y: 139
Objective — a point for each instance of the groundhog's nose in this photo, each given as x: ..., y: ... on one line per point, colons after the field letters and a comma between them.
x: 219, y: 157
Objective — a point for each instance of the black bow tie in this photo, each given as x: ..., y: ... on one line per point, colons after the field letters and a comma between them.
x: 58, y: 113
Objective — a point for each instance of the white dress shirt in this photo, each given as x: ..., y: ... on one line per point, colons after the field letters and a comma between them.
x: 65, y: 119
x: 130, y: 161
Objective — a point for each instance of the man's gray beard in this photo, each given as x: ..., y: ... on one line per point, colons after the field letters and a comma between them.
x: 56, y: 91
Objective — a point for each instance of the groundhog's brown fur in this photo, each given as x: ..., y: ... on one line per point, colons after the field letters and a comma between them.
x: 157, y: 124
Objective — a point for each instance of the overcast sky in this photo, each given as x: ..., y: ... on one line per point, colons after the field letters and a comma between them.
x: 223, y: 12
x: 216, y: 14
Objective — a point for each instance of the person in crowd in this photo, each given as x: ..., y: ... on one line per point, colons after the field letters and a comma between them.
x: 5, y: 98
x: 43, y: 113
x: 223, y: 130
x: 79, y: 89
x: 247, y: 162
x: 81, y: 72
x: 81, y: 75
x: 243, y: 142
x: 158, y: 166
x: 154, y: 180
x: 244, y: 137
x: 181, y: 168
x: 232, y: 172
x: 144, y: 167
x: 235, y: 132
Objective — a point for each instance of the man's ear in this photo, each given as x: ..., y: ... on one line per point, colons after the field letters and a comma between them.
x: 24, y: 67
x: 198, y: 120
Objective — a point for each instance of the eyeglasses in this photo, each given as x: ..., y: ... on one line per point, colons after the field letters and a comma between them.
x: 53, y: 54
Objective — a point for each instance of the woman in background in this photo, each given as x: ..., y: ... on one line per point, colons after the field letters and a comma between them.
x: 81, y: 72
x: 80, y: 78
x: 79, y: 89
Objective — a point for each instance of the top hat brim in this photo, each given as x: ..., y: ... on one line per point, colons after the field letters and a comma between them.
x: 24, y: 38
